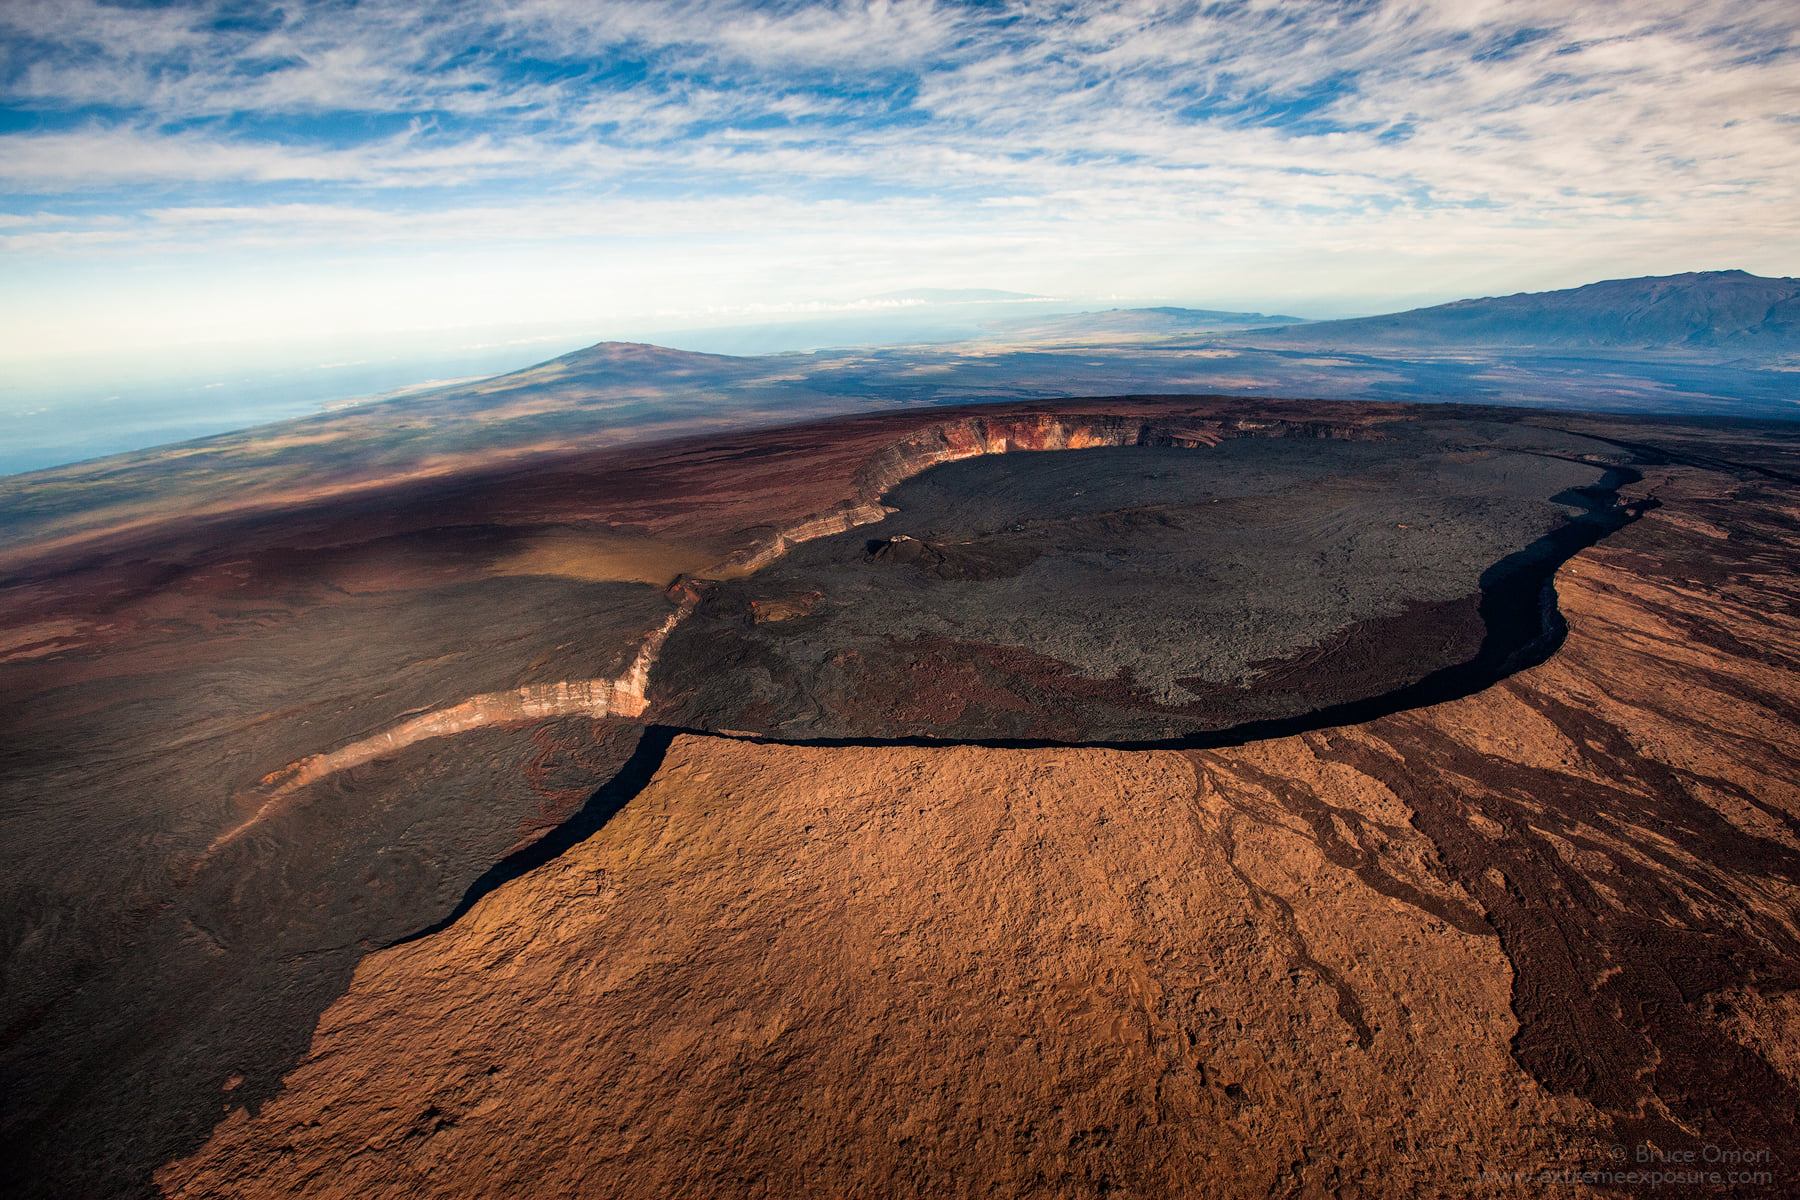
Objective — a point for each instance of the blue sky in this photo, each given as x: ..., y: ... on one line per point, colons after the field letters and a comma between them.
x: 236, y: 172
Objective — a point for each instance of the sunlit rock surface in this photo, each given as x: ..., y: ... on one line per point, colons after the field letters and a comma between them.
x: 1483, y: 939
x: 1511, y: 921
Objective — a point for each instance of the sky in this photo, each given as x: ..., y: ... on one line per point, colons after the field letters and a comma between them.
x: 269, y: 175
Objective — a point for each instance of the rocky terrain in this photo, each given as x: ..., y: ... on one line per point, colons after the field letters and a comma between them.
x: 1547, y: 927
x: 435, y: 861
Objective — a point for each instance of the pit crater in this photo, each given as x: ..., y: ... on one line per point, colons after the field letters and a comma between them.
x: 1133, y: 593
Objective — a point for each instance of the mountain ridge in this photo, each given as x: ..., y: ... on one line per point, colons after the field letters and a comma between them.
x: 1730, y: 309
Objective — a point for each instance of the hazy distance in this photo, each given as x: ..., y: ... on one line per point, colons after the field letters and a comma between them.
x: 221, y: 212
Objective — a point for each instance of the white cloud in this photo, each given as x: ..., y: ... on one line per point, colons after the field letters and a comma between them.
x: 1091, y: 147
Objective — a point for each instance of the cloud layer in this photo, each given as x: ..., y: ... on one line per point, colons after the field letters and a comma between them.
x: 1091, y: 146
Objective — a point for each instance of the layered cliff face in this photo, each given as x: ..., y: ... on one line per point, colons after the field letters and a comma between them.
x: 1533, y: 929
x: 973, y: 436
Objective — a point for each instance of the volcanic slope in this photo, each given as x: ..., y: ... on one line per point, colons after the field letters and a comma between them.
x: 253, y: 877
x: 1529, y: 930
x: 1732, y: 310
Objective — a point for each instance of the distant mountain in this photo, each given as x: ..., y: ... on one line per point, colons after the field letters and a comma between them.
x: 630, y: 362
x: 1717, y: 309
x: 1214, y: 316
x: 1159, y: 322
x: 955, y: 295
